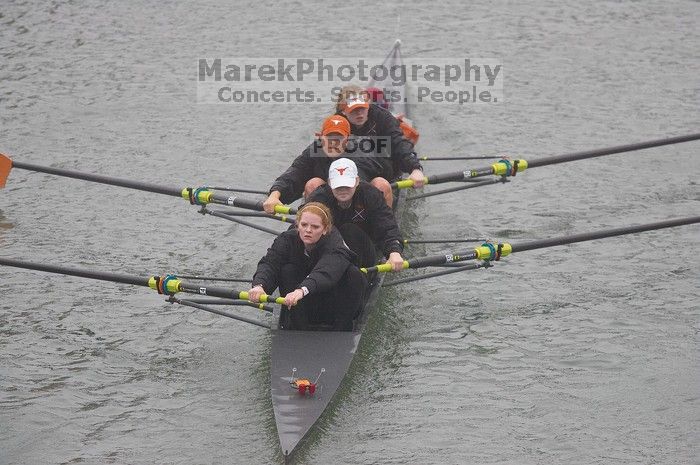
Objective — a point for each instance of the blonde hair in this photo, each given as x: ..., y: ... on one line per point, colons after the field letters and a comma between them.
x: 319, y: 209
x: 350, y: 91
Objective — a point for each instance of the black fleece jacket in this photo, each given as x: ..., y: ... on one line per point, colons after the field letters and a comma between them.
x: 324, y: 265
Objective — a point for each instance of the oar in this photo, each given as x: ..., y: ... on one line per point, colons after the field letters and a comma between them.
x: 237, y: 189
x: 196, y: 196
x: 201, y: 306
x: 512, y: 167
x: 168, y: 284
x: 428, y: 158
x: 489, y: 251
x: 218, y: 301
x: 213, y: 278
x: 441, y: 241
x: 456, y: 269
x: 206, y: 211
x: 469, y: 185
x: 277, y: 217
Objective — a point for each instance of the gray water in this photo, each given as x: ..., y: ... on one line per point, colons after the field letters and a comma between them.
x: 579, y: 354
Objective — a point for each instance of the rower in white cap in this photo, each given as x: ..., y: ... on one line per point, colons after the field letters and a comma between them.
x: 360, y: 213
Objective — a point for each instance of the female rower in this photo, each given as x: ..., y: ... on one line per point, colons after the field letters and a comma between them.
x: 310, y: 169
x: 315, y: 271
x: 378, y: 125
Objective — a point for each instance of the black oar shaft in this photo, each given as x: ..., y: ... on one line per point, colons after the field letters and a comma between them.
x: 246, y: 303
x: 142, y: 186
x: 590, y: 236
x: 282, y: 218
x: 233, y: 219
x: 456, y: 269
x: 481, y: 157
x: 235, y: 189
x: 611, y: 150
x: 472, y: 185
x: 213, y: 278
x: 440, y: 259
x: 441, y: 241
x: 500, y: 170
x: 193, y: 304
x: 210, y: 197
x: 91, y: 274
x: 237, y: 202
x: 459, y: 175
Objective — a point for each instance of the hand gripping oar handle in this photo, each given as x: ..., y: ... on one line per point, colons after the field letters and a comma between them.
x: 198, y: 196
x: 512, y: 167
x: 163, y: 284
x: 496, y: 251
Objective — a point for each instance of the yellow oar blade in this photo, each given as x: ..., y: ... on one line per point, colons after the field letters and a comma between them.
x: 5, y: 167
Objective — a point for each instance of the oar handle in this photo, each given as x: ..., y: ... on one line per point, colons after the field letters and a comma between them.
x: 383, y: 268
x: 263, y: 298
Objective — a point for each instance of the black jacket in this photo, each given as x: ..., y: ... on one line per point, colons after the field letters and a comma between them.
x: 325, y: 265
x: 312, y: 163
x: 369, y: 211
x: 387, y: 162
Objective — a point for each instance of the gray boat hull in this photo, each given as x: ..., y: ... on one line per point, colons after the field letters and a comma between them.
x: 308, y: 352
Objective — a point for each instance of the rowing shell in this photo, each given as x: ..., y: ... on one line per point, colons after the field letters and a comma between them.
x: 308, y: 354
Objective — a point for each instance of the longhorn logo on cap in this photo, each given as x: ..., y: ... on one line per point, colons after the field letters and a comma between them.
x: 341, y: 170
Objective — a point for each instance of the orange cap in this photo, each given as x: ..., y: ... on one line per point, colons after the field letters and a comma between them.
x: 354, y: 101
x: 335, y: 123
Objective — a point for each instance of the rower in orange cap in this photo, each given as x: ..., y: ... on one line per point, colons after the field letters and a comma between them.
x: 375, y: 127
x: 310, y: 169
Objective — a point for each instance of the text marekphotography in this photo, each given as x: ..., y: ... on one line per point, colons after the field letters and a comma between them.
x: 461, y: 81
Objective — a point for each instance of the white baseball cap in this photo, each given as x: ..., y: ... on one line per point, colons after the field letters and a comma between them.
x: 342, y: 173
